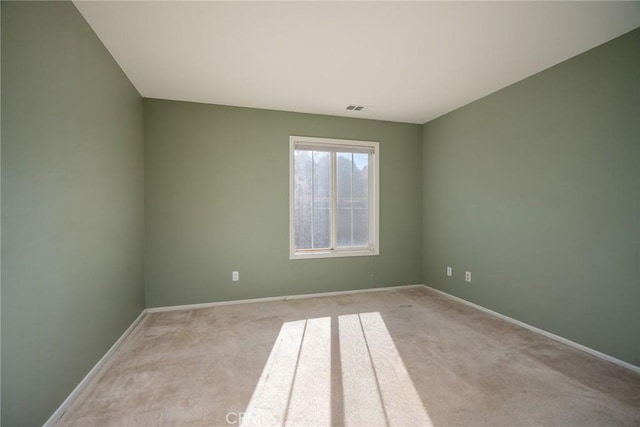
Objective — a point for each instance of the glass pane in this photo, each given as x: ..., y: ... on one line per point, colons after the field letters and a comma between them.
x: 312, y: 187
x: 344, y: 166
x: 321, y: 199
x: 303, y: 199
x: 352, y: 199
x: 361, y: 199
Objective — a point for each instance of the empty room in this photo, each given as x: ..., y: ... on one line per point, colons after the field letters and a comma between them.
x: 320, y: 213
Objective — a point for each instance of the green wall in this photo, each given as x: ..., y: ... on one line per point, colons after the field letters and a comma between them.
x: 217, y: 200
x: 72, y: 197
x: 535, y: 190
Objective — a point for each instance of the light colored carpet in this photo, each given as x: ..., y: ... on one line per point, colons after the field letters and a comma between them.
x: 399, y: 357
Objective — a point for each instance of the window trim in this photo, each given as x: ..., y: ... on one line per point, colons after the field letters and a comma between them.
x: 374, y: 198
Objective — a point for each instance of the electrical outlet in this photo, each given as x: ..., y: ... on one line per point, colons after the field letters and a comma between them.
x: 235, y: 276
x: 467, y: 276
x: 449, y: 271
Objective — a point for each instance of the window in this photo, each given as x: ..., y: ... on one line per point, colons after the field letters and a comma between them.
x: 333, y: 198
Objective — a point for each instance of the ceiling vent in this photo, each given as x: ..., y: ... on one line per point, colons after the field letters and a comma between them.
x: 355, y: 107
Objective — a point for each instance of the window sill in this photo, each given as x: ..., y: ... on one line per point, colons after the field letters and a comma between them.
x: 332, y: 254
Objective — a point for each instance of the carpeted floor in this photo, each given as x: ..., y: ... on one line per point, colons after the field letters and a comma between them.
x: 395, y: 357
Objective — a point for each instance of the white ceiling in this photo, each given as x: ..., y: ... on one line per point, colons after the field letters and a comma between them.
x: 404, y: 61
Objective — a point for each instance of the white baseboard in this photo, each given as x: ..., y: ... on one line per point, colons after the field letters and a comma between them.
x: 268, y: 299
x: 85, y: 381
x: 540, y: 331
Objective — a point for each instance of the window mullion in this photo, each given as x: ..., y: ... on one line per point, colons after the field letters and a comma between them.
x: 353, y: 167
x: 372, y: 201
x: 334, y: 191
x: 313, y: 200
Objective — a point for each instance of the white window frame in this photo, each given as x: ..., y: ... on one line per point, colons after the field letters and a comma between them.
x: 374, y: 198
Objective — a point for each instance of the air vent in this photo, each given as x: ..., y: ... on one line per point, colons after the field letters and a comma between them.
x: 355, y: 107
